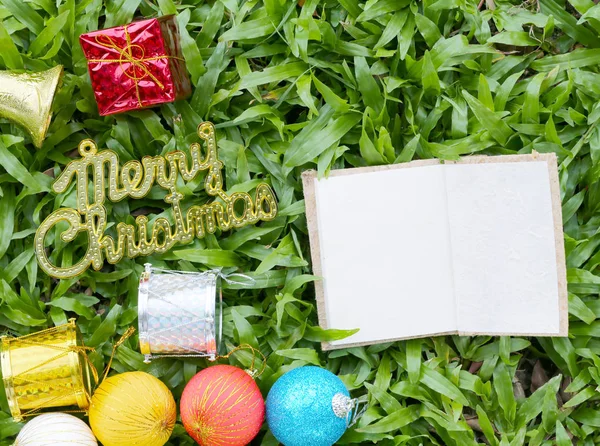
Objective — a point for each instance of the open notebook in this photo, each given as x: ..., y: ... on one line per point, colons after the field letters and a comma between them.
x: 423, y: 249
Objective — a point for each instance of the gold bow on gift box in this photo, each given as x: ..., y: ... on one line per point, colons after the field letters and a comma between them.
x: 134, y: 55
x: 148, y: 53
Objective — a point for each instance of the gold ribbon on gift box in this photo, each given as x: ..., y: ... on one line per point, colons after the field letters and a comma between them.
x: 126, y: 55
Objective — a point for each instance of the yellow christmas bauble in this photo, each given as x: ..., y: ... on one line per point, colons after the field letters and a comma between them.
x: 132, y: 408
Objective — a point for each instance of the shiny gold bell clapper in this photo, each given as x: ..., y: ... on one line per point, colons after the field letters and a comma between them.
x: 47, y: 369
x: 26, y: 99
x: 179, y: 313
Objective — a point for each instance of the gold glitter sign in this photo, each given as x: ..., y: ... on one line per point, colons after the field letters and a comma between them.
x: 134, y: 180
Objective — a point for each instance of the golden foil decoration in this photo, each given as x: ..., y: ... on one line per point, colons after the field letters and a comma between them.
x: 46, y: 369
x: 26, y: 99
x: 135, y: 179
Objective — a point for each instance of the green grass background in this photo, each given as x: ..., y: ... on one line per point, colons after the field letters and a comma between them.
x: 327, y: 85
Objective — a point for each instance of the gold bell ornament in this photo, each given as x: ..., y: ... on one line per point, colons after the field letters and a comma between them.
x: 26, y: 99
x: 45, y: 370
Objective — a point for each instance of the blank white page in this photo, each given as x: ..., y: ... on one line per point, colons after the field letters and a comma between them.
x: 384, y: 254
x: 503, y: 247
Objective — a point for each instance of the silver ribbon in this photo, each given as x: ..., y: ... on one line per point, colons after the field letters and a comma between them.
x: 216, y: 271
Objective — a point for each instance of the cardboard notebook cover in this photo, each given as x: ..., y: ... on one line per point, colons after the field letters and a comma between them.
x: 420, y: 249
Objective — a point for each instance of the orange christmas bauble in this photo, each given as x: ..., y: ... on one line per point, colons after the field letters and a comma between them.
x: 222, y: 406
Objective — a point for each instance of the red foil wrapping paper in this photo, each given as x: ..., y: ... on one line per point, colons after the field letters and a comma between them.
x: 136, y: 66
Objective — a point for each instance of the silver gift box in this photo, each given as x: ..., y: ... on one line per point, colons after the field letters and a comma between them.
x: 179, y: 313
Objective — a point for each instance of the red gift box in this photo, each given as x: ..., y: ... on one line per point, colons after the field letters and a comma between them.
x: 136, y: 66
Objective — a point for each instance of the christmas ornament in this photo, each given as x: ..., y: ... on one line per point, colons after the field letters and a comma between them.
x: 135, y: 180
x: 222, y: 406
x: 179, y: 313
x: 55, y: 429
x: 137, y: 65
x: 46, y: 369
x: 26, y: 99
x: 309, y: 406
x: 132, y: 408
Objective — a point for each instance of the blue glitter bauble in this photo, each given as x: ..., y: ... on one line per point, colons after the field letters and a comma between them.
x: 300, y: 410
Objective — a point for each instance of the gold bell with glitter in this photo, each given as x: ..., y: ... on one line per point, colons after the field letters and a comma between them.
x: 26, y: 99
x: 47, y: 369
